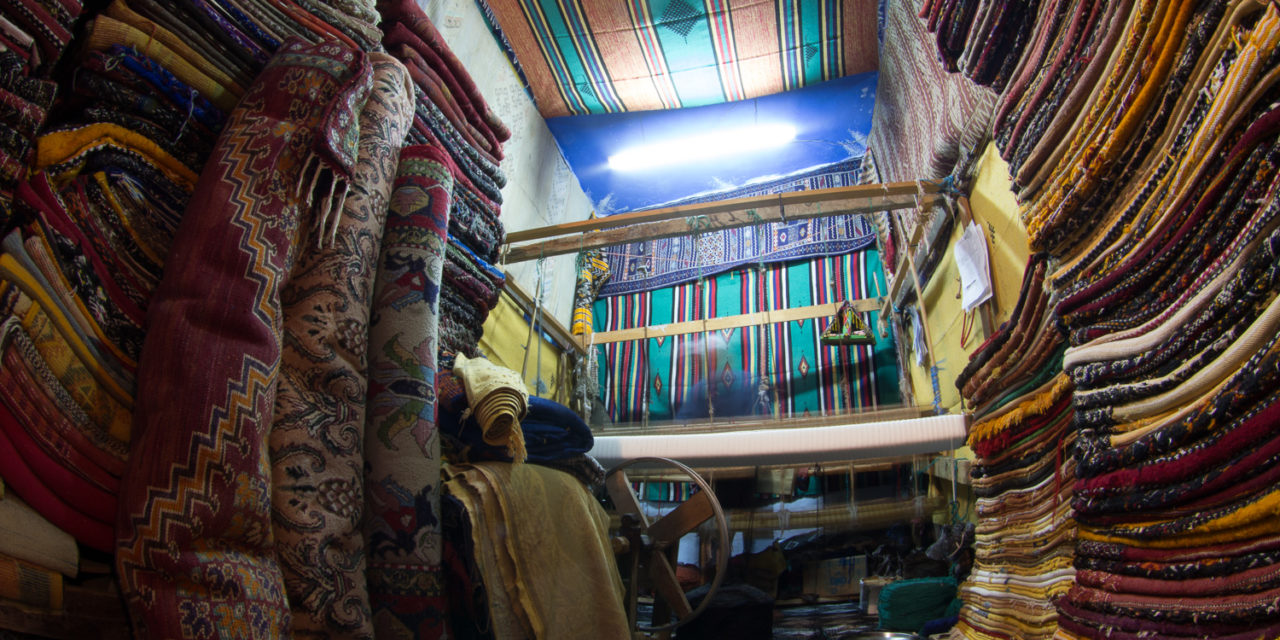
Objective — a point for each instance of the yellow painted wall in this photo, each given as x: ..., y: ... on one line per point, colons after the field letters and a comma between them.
x: 505, y: 334
x: 996, y: 211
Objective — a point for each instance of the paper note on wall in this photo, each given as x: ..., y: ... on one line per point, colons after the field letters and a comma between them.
x: 971, y: 261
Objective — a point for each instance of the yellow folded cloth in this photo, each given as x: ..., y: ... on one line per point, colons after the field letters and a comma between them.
x: 498, y: 401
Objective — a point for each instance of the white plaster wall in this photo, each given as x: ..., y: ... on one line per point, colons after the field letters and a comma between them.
x: 541, y: 190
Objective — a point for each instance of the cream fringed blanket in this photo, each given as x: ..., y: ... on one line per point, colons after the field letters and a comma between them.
x: 542, y: 547
x: 498, y: 401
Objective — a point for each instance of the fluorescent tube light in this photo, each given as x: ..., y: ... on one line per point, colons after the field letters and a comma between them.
x: 700, y: 147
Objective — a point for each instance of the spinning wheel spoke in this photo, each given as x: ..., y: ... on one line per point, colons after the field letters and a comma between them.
x: 683, y: 519
x: 667, y: 588
x: 651, y: 550
x: 624, y: 499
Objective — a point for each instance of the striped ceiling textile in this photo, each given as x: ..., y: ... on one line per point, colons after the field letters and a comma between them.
x: 611, y: 56
x: 665, y: 379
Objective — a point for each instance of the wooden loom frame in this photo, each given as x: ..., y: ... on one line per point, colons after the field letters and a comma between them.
x: 692, y: 219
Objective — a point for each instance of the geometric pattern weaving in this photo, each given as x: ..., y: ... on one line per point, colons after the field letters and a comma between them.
x: 684, y: 377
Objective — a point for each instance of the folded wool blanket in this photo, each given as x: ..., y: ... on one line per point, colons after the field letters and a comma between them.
x: 1088, y: 623
x: 166, y: 50
x: 432, y: 128
x: 1046, y: 371
x: 411, y: 15
x: 1044, y: 435
x: 498, y: 400
x: 50, y: 32
x: 474, y: 221
x: 1123, y: 552
x: 1245, y: 581
x: 551, y: 431
x: 268, y: 23
x: 1207, y: 567
x: 411, y: 36
x: 1242, y: 438
x: 189, y: 24
x: 1235, y: 609
x: 1249, y: 515
x: 1100, y: 454
x: 1029, y: 320
x: 1069, y: 30
x: 426, y: 79
x: 14, y: 77
x: 1190, y: 294
x: 1032, y: 279
x: 1253, y: 466
x: 1044, y: 343
x: 85, y: 301
x: 1204, y: 142
x: 1220, y: 324
x: 543, y: 547
x: 125, y: 270
x: 1047, y: 222
x: 29, y: 372
x: 282, y: 164
x: 21, y: 478
x: 1186, y: 244
x: 75, y: 362
x: 1016, y: 419
x: 147, y: 76
x: 355, y: 19
x: 1036, y: 497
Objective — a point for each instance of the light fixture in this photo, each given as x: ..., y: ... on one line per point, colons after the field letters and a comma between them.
x: 705, y: 146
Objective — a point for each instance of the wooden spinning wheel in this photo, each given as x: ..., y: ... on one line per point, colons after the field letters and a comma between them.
x: 650, y: 549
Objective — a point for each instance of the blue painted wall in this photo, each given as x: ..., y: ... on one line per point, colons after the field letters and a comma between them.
x: 832, y: 121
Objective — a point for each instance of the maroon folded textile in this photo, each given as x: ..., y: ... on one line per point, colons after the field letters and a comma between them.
x: 411, y: 15
x: 40, y: 422
x: 58, y: 410
x: 195, y: 555
x: 438, y: 92
x: 1246, y: 581
x: 26, y: 482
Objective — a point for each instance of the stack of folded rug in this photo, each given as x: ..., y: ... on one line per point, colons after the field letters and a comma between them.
x: 33, y: 36
x: 1023, y: 473
x: 981, y: 38
x: 452, y: 115
x: 1145, y: 142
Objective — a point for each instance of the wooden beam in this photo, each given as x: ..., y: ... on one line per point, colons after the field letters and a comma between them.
x: 560, y: 335
x: 732, y: 322
x: 689, y: 210
x: 773, y: 209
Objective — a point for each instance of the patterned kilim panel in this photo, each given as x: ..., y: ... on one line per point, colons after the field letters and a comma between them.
x: 610, y: 56
x: 667, y: 378
x: 652, y: 264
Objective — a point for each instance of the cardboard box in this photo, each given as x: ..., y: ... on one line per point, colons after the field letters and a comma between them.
x: 835, y: 576
x: 869, y: 597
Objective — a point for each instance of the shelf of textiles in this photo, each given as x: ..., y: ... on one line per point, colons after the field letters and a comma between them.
x: 48, y: 588
x: 1023, y: 473
x: 261, y: 183
x: 1164, y: 281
